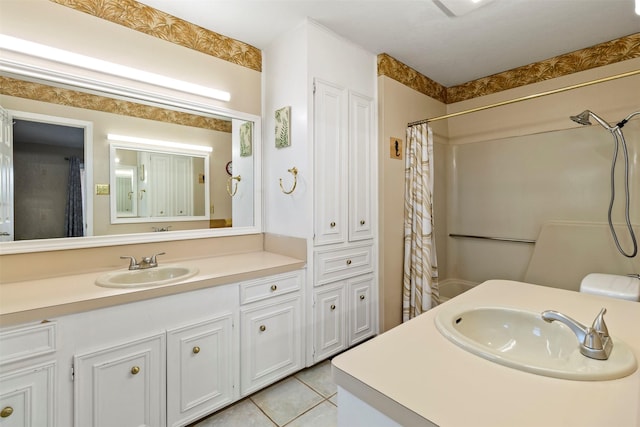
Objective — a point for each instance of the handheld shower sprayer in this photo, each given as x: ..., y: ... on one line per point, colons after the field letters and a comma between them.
x: 618, y: 139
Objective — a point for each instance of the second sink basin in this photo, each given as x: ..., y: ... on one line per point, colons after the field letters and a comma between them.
x: 522, y: 340
x: 161, y: 275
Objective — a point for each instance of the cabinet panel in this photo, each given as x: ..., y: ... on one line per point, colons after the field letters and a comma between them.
x: 260, y: 289
x: 27, y: 397
x: 329, y: 320
x: 271, y: 341
x: 361, y: 151
x: 330, y: 134
x: 336, y: 264
x: 122, y: 385
x: 27, y: 342
x: 200, y: 371
x: 361, y: 312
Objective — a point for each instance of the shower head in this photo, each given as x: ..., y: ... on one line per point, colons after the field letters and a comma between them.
x: 582, y: 118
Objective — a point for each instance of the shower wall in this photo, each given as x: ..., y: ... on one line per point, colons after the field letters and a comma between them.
x: 517, y: 167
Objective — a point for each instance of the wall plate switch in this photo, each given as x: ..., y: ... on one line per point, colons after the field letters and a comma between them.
x: 395, y: 148
x: 102, y: 189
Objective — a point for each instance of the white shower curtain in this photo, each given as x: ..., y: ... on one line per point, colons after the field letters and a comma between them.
x: 420, y: 282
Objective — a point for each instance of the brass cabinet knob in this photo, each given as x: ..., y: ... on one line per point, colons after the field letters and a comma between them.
x: 135, y: 370
x: 263, y: 328
x: 361, y: 296
x: 196, y: 350
x: 333, y: 307
x: 362, y: 222
x: 348, y: 262
x: 6, y: 412
x: 333, y: 224
x: 274, y: 287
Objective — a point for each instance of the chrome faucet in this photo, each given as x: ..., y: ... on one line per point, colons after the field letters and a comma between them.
x: 595, y: 341
x: 146, y: 262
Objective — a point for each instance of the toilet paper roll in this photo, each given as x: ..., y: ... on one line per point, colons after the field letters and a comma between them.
x: 611, y: 285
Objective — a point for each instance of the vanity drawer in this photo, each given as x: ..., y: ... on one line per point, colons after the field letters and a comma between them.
x: 25, y: 342
x: 338, y: 264
x: 271, y: 286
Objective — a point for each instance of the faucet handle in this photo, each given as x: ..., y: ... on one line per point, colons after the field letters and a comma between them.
x: 599, y: 324
x: 153, y: 257
x: 593, y: 340
x: 133, y: 264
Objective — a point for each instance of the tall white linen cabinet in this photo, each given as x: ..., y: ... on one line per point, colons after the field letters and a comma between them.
x: 330, y: 85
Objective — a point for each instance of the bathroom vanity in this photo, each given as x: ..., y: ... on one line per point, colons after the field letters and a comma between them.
x: 413, y: 376
x: 74, y: 353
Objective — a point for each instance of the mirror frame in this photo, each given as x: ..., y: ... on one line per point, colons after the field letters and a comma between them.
x: 24, y: 67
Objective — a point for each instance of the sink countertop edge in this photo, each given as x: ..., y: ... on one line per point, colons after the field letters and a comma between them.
x: 451, y: 387
x: 36, y: 300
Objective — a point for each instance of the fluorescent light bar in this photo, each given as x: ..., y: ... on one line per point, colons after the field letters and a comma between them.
x: 69, y: 58
x: 637, y: 7
x: 158, y: 143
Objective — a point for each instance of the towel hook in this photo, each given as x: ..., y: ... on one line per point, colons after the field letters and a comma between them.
x: 293, y: 171
x: 229, y: 184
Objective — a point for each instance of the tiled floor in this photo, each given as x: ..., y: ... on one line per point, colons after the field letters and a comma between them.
x: 307, y: 399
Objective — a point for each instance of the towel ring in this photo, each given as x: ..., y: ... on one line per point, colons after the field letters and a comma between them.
x: 293, y: 171
x: 229, y: 184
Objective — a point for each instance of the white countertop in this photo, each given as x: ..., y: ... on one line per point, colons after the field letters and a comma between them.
x: 36, y: 300
x: 415, y: 375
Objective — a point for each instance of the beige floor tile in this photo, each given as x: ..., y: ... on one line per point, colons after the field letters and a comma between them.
x: 334, y: 399
x: 285, y: 400
x: 323, y: 415
x: 318, y: 377
x: 243, y: 414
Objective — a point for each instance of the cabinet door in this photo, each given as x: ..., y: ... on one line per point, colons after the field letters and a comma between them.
x: 200, y: 369
x: 122, y: 385
x: 183, y: 185
x: 160, y: 185
x: 361, y: 309
x: 26, y: 397
x: 271, y: 341
x: 329, y: 320
x: 361, y: 152
x: 331, y: 181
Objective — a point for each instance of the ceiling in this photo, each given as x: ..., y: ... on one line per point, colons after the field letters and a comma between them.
x: 496, y: 37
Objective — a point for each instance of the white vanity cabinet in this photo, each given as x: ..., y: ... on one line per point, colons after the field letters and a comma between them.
x: 122, y: 385
x: 200, y: 369
x: 27, y: 375
x: 271, y: 330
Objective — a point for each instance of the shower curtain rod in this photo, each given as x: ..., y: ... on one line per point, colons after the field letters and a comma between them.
x: 528, y: 97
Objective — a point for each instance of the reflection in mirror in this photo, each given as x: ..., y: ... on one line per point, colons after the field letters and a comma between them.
x: 151, y: 185
x: 207, y: 208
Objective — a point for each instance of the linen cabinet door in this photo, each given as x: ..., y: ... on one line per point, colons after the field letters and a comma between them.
x: 330, y: 157
x: 361, y: 309
x: 361, y: 146
x: 271, y: 341
x: 329, y: 320
x: 200, y: 369
x: 122, y: 386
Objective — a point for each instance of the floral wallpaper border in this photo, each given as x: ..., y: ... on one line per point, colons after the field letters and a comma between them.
x: 610, y: 52
x: 72, y: 98
x: 153, y: 22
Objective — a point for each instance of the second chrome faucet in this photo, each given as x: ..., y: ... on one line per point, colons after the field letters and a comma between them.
x: 594, y: 340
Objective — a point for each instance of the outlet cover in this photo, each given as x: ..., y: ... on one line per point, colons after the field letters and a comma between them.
x: 102, y: 189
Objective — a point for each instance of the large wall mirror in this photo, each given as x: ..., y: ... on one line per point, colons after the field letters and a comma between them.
x: 107, y: 166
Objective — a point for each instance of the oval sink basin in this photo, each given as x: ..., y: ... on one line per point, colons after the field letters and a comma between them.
x: 522, y: 340
x: 161, y: 275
